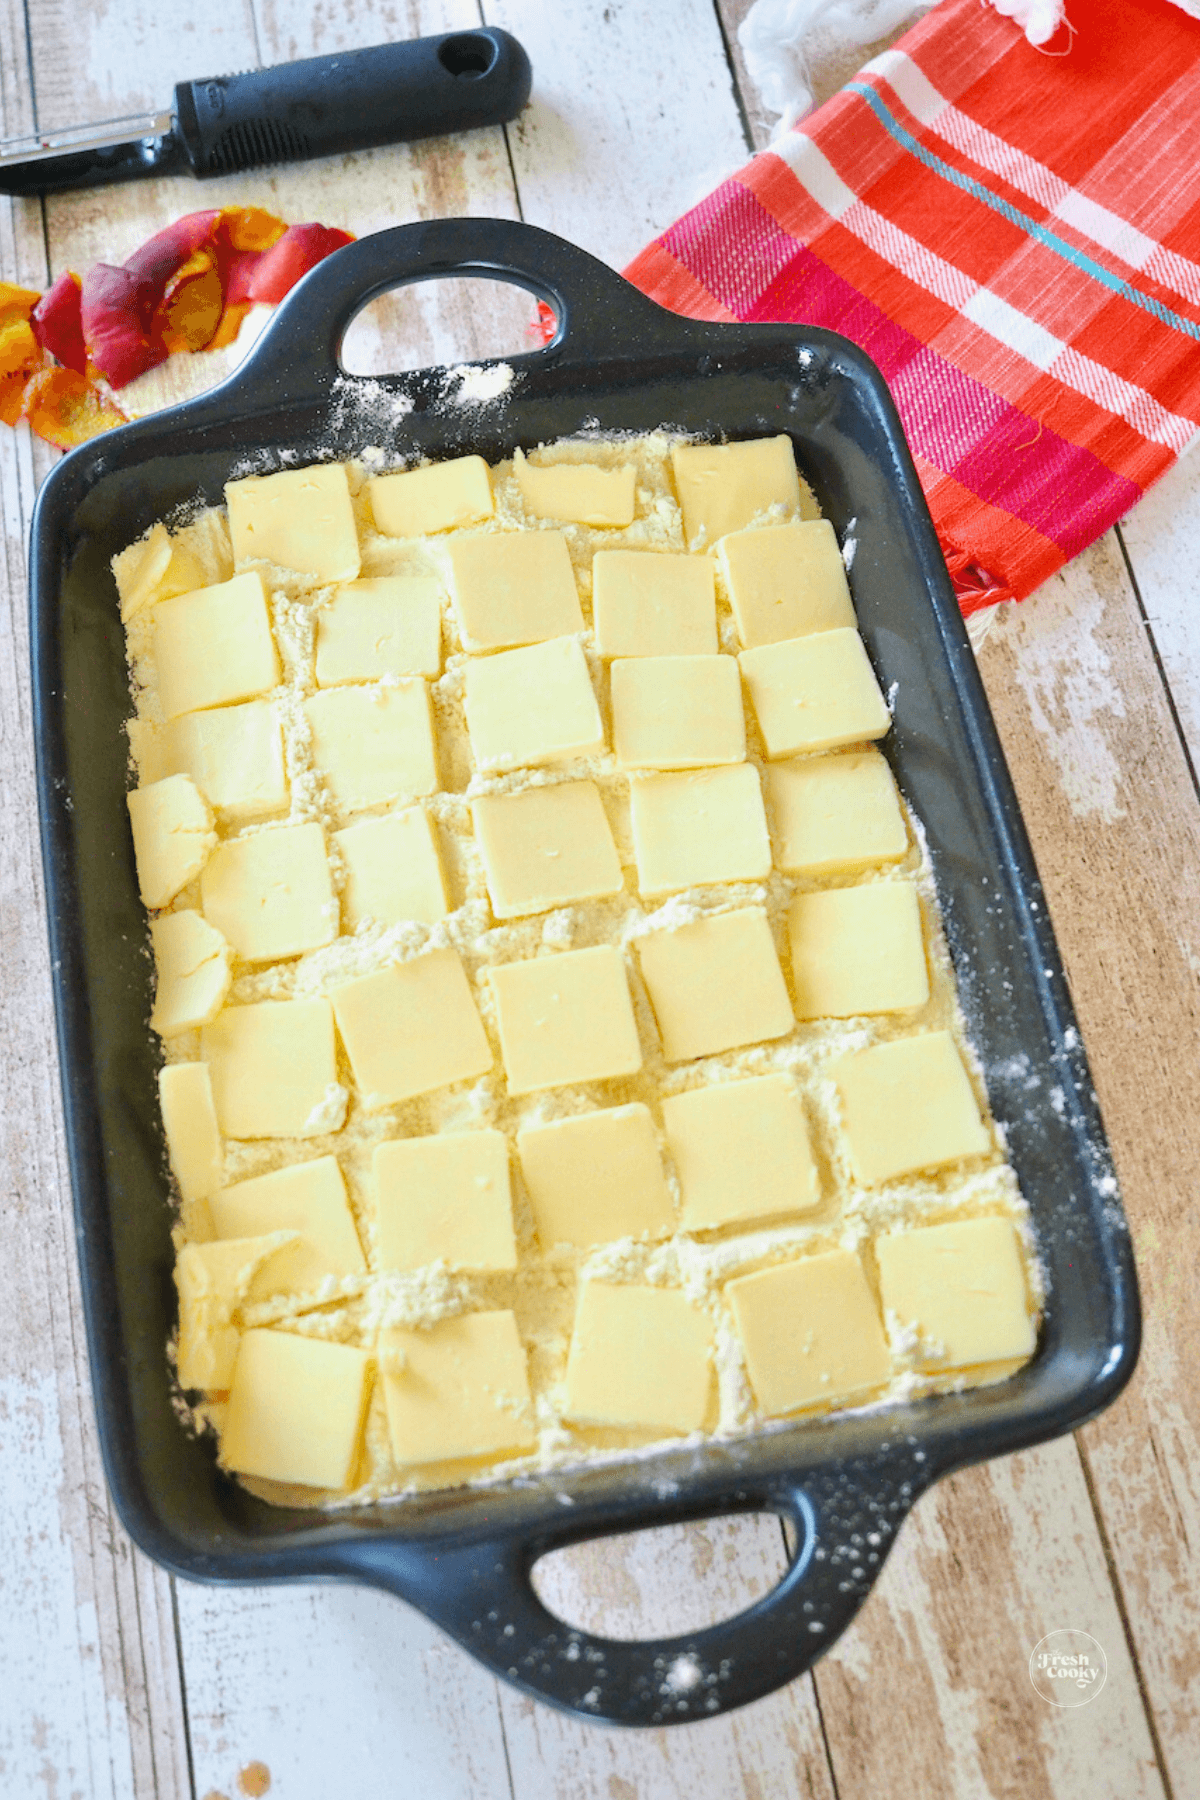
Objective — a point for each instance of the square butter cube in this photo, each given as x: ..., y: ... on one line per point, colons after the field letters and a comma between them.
x: 383, y: 625
x: 961, y: 1288
x: 811, y: 1332
x: 641, y: 1357
x: 234, y: 754
x: 531, y: 707
x: 193, y: 1136
x: 416, y: 502
x: 513, y: 587
x: 214, y: 1280
x: 297, y: 1407
x: 596, y: 1177
x: 272, y: 1066
x: 461, y: 1389
x: 214, y: 645
x: 650, y: 604
x: 835, y: 815
x: 374, y: 744
x: 411, y: 1028
x: 193, y: 967
x: 445, y: 1199
x: 301, y: 519
x: 393, y: 870
x: 741, y: 1151
x: 786, y: 581
x: 306, y: 1197
x: 858, y: 950
x: 173, y: 836
x: 547, y: 846
x: 695, y: 828
x: 271, y: 893
x: 908, y: 1105
x: 722, y: 487
x: 715, y: 984
x: 814, y: 693
x: 565, y: 1018
x: 579, y: 492
x: 677, y: 712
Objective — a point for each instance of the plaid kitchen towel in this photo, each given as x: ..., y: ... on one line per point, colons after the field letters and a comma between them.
x: 1014, y: 237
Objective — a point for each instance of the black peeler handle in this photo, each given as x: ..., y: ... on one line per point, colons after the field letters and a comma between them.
x: 352, y: 100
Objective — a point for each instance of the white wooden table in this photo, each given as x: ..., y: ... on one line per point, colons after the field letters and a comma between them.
x: 116, y: 1681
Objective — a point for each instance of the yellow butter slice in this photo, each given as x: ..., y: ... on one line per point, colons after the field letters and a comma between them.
x: 271, y: 893
x: 677, y: 712
x: 960, y: 1288
x: 814, y: 693
x: 834, y: 815
x: 297, y: 1406
x: 301, y: 519
x: 908, y: 1105
x: 548, y: 846
x: 648, y: 603
x: 641, y: 1357
x: 715, y: 984
x: 698, y: 827
x: 513, y: 587
x: 564, y: 1019
x: 785, y: 581
x: 529, y: 707
x: 411, y: 1028
x: 234, y: 754
x: 374, y: 744
x: 811, y: 1333
x: 214, y: 646
x: 214, y: 1281
x: 383, y: 625
x: 273, y: 1065
x: 741, y: 1151
x: 173, y: 837
x: 190, y: 1123
x: 417, y: 502
x: 445, y: 1199
x: 194, y: 969
x: 596, y: 1177
x: 580, y: 492
x: 858, y: 950
x: 722, y: 487
x: 459, y: 1389
x: 309, y: 1198
x: 393, y: 870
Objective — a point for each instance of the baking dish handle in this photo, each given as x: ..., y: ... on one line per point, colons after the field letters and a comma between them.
x: 483, y: 1595
x: 600, y: 316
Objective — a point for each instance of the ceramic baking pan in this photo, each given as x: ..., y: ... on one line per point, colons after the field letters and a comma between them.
x: 617, y: 364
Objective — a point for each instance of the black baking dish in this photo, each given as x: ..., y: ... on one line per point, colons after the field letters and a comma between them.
x: 617, y: 363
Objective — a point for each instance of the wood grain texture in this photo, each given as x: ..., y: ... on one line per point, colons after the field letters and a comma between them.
x: 1162, y: 536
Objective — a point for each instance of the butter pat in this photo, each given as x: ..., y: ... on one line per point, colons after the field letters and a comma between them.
x: 153, y: 569
x: 908, y: 1105
x: 529, y: 707
x: 596, y: 1177
x: 640, y: 1356
x: 272, y: 1066
x: 565, y: 1019
x: 961, y: 1289
x: 835, y: 815
x: 461, y: 1390
x: 393, y: 870
x: 722, y: 487
x: 411, y: 1028
x: 810, y: 1331
x: 650, y: 604
x: 193, y: 964
x: 445, y: 1199
x: 786, y: 581
x: 309, y: 1198
x: 386, y: 625
x: 374, y: 744
x: 715, y: 984
x: 297, y: 1407
x: 271, y: 893
x: 213, y: 1281
x: 858, y: 950
x: 234, y: 754
x: 579, y: 492
x: 814, y: 693
x: 173, y: 837
x: 190, y: 1123
x: 214, y: 646
x: 547, y: 846
x: 741, y: 1151
x: 513, y: 587
x: 417, y: 502
x: 301, y: 519
x: 693, y: 829
x: 677, y: 712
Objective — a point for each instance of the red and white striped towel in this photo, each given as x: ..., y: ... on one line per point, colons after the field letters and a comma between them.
x: 1014, y: 237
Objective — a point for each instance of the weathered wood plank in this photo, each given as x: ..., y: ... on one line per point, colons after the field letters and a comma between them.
x: 1109, y: 800
x: 1162, y: 536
